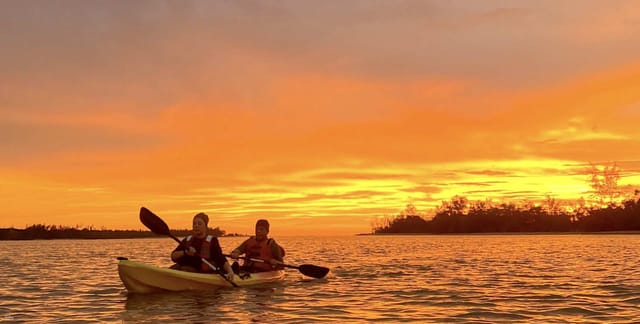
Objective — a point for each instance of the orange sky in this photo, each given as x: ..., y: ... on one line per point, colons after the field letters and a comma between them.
x: 317, y: 116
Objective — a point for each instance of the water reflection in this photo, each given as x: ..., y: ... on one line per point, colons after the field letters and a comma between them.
x: 480, y: 279
x: 256, y: 303
x: 167, y: 301
x: 190, y: 305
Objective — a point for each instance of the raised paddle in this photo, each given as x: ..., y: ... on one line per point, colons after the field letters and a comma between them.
x: 158, y: 226
x: 308, y: 270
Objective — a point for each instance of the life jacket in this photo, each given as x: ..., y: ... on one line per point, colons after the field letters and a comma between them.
x: 205, y: 252
x: 259, y: 250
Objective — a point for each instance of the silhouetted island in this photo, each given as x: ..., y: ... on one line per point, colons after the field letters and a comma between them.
x: 41, y: 231
x: 461, y: 216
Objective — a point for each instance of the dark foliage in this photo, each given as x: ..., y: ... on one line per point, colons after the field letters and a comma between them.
x: 40, y: 231
x: 457, y: 218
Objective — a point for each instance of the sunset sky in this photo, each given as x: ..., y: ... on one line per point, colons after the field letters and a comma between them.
x: 318, y: 115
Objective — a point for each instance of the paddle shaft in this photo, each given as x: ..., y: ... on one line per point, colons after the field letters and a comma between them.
x: 306, y: 269
x: 175, y: 239
x: 263, y: 261
x: 280, y: 263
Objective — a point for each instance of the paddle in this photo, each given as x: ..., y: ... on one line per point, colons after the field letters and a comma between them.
x: 308, y: 270
x: 158, y: 226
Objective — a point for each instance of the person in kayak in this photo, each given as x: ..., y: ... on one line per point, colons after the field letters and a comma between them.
x: 187, y: 256
x: 259, y: 247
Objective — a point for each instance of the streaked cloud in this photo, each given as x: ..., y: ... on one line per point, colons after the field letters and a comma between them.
x: 315, y: 115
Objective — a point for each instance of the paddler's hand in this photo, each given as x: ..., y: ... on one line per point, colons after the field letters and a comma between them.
x: 235, y: 254
x: 229, y: 276
x: 190, y: 251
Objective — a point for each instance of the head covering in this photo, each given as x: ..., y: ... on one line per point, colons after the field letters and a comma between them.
x: 264, y: 223
x: 202, y: 216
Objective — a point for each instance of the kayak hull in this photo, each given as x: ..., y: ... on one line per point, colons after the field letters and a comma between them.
x: 139, y: 277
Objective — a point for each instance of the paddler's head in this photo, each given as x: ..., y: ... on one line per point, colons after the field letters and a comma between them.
x: 262, y: 229
x: 200, y: 224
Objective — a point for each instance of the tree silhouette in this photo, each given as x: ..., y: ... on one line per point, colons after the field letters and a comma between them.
x: 604, y: 181
x: 461, y: 216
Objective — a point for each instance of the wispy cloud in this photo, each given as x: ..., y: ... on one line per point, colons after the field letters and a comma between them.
x: 252, y: 109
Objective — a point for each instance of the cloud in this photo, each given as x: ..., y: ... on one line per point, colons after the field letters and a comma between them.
x: 28, y: 142
x: 498, y: 173
x: 296, y: 109
x: 150, y: 55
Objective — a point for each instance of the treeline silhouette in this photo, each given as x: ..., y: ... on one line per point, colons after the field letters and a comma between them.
x: 41, y: 231
x: 459, y: 216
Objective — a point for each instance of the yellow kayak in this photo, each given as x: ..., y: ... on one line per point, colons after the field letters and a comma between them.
x: 139, y: 277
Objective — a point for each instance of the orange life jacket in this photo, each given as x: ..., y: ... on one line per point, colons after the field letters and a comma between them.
x: 205, y: 252
x: 259, y: 250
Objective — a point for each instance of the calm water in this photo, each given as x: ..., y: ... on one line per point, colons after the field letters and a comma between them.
x: 468, y: 279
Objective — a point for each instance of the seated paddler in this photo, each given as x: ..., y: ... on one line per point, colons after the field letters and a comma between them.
x: 261, y: 253
x: 200, y: 244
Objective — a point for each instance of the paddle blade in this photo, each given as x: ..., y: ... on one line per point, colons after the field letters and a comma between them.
x: 153, y: 222
x: 313, y: 271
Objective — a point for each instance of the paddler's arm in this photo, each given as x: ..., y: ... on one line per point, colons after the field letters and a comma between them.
x: 276, y: 252
x: 239, y: 250
x: 220, y: 259
x: 178, y: 253
x: 227, y: 269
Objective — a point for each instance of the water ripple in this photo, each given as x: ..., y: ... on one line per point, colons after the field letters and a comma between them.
x: 465, y: 279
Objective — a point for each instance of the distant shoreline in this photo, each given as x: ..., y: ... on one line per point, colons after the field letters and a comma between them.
x: 97, y: 238
x: 42, y: 233
x: 100, y: 238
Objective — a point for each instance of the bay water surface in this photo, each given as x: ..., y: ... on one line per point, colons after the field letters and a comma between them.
x: 442, y: 278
